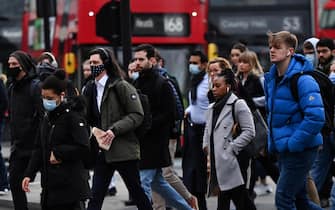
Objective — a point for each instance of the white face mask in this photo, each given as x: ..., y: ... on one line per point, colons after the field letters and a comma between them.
x: 310, y: 58
x: 135, y: 75
x: 332, y: 77
x: 49, y: 105
x: 194, y: 69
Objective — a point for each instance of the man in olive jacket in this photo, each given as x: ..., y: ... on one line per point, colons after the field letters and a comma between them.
x: 114, y: 106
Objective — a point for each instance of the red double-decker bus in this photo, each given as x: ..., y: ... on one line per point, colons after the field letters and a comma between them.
x: 324, y: 18
x: 175, y: 27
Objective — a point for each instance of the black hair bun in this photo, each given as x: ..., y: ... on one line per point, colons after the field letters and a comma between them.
x: 60, y: 74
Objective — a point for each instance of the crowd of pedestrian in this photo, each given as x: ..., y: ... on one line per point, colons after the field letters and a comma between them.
x: 142, y: 115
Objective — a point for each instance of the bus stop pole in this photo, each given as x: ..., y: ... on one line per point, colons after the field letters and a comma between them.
x: 46, y: 23
x: 125, y: 32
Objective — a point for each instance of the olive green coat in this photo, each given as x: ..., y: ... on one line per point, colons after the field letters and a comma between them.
x: 121, y: 111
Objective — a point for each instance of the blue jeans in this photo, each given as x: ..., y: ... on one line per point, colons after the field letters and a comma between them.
x: 323, y: 162
x: 291, y: 186
x: 332, y: 197
x: 153, y: 178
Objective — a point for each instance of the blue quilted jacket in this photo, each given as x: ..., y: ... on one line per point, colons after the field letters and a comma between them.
x: 294, y: 126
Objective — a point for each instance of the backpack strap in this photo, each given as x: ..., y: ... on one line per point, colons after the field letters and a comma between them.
x: 294, y: 85
x: 233, y: 109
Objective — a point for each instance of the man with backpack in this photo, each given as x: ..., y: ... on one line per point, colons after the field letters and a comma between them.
x: 320, y: 171
x: 154, y: 144
x: 168, y: 172
x: 294, y: 126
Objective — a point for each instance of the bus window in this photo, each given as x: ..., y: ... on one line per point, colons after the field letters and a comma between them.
x: 327, y: 19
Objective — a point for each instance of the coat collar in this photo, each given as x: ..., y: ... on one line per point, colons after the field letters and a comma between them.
x: 224, y: 110
x: 111, y: 82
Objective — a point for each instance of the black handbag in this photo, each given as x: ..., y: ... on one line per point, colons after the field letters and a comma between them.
x: 260, y: 140
x: 258, y: 145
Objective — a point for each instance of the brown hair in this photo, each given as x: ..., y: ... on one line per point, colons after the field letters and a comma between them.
x: 275, y: 39
x: 251, y: 58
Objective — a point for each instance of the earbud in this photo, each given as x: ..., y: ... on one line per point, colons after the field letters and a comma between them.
x: 288, y: 54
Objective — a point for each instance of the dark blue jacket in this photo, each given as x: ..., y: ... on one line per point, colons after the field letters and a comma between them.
x: 294, y: 126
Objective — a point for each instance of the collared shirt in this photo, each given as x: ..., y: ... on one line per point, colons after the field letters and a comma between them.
x: 198, y: 109
x: 100, y: 89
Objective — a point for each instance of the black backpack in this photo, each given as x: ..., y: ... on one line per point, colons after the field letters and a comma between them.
x: 147, y: 118
x: 327, y: 94
x: 145, y: 126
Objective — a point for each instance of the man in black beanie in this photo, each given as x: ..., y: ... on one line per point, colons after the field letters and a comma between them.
x: 325, y: 50
x: 25, y: 111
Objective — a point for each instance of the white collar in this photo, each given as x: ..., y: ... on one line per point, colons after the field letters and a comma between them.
x: 102, y: 81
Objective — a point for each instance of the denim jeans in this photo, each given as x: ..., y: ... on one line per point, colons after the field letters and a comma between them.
x: 323, y: 162
x: 332, y: 197
x: 291, y: 187
x: 153, y: 178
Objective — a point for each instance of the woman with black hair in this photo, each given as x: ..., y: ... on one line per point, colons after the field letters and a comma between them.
x: 228, y: 161
x: 60, y: 150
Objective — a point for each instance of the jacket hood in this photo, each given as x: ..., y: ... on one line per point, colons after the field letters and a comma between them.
x: 313, y: 41
x: 77, y: 103
x: 26, y: 62
x: 297, y: 64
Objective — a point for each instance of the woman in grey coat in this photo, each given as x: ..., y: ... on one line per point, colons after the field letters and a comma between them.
x: 228, y: 160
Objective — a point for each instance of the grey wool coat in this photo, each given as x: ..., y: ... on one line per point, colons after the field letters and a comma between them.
x: 225, y: 147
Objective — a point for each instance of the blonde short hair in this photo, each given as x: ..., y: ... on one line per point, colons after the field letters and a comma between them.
x: 289, y: 39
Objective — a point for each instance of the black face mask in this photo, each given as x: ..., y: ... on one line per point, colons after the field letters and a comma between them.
x: 13, y: 72
x: 96, y: 70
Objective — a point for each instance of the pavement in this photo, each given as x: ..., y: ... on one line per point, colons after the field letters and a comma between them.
x: 265, y: 202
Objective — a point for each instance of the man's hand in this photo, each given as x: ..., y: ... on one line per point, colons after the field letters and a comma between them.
x: 53, y: 159
x: 108, y: 137
x: 193, y: 202
x: 25, y: 184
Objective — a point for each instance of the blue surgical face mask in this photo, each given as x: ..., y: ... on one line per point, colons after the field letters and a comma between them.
x: 332, y: 77
x: 311, y: 58
x: 135, y: 75
x: 194, y: 69
x: 49, y: 105
x: 96, y: 70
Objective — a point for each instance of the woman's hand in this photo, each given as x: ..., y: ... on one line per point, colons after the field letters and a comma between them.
x: 25, y: 184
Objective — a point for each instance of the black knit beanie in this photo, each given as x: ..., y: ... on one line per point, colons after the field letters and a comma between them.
x: 25, y: 60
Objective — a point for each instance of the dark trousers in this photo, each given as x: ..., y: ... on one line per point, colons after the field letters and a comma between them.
x: 17, y: 166
x: 80, y: 205
x: 195, y: 163
x: 129, y: 171
x: 269, y: 164
x: 244, y: 194
x: 239, y: 195
x: 3, y: 169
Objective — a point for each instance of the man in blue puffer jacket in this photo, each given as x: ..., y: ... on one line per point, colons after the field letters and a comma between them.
x: 294, y: 126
